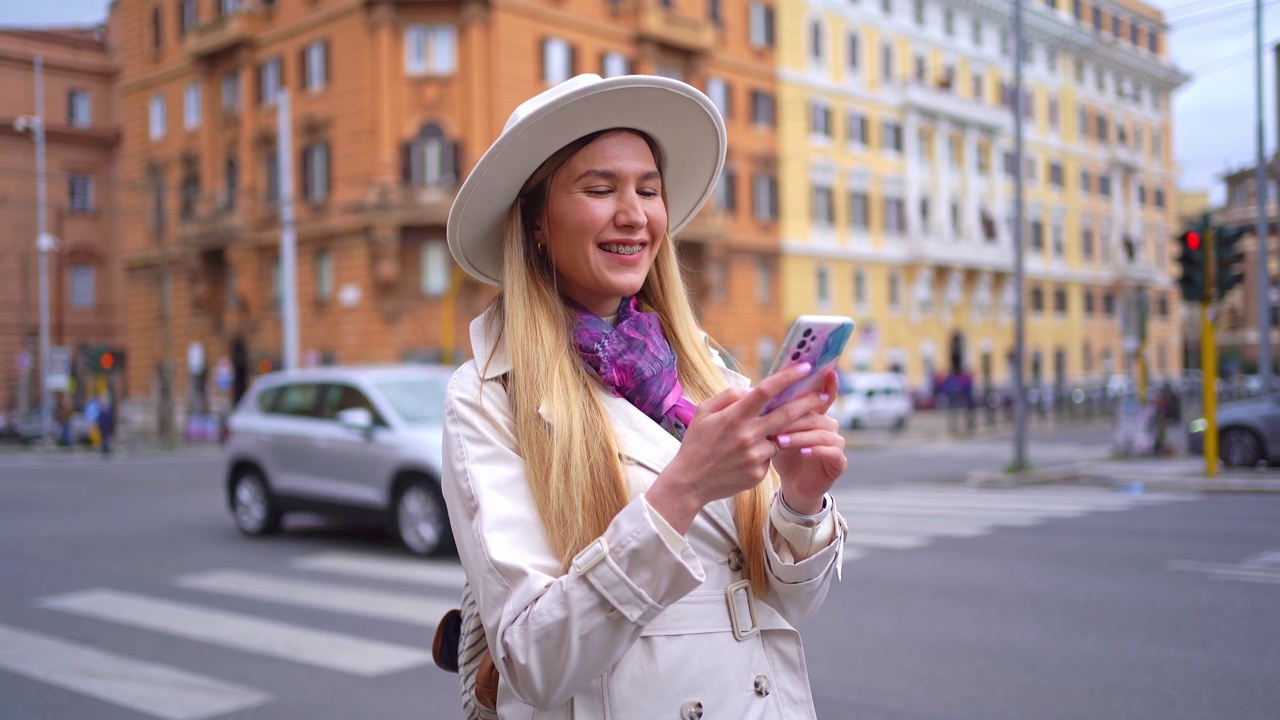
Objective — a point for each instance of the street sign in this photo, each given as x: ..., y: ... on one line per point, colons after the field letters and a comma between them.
x: 59, y: 376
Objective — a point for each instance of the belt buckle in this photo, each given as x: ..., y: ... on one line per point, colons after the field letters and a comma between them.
x: 735, y: 619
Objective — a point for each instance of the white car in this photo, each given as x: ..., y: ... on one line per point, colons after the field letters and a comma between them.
x: 872, y: 400
x: 347, y: 441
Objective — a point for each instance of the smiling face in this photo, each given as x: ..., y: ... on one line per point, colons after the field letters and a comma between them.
x: 605, y: 221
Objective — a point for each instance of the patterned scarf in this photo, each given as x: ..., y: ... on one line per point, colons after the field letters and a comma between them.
x: 634, y: 361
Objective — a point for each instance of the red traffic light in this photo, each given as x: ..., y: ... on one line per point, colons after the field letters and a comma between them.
x: 1193, y: 240
x: 108, y: 361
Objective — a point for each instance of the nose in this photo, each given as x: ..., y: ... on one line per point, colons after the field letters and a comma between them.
x: 630, y: 210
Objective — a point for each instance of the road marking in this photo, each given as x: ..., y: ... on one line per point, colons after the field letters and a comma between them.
x: 421, y: 610
x: 900, y: 525
x: 888, y: 541
x: 405, y: 570
x: 320, y: 648
x: 156, y: 690
x: 1253, y: 570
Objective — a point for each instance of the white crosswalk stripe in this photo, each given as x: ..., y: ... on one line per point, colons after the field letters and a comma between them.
x: 156, y: 690
x: 906, y: 518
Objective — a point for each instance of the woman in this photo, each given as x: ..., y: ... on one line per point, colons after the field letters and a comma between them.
x: 638, y: 538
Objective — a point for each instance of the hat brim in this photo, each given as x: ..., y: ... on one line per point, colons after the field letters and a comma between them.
x: 681, y: 120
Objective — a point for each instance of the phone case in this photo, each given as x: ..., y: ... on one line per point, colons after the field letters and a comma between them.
x: 816, y: 339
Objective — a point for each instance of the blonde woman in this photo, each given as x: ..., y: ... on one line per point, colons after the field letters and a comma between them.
x: 639, y: 539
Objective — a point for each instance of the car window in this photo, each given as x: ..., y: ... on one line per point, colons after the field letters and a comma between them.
x: 300, y: 400
x: 267, y: 399
x: 344, y: 397
x: 415, y: 400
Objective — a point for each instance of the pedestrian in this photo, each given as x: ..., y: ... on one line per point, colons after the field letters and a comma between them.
x: 640, y: 541
x: 65, y: 411
x: 106, y: 419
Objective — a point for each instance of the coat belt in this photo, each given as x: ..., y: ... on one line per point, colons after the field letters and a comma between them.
x: 735, y: 609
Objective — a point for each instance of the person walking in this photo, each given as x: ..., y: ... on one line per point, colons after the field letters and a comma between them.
x: 106, y: 419
x: 640, y: 540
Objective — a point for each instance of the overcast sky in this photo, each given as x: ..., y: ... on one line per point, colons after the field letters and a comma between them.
x: 1211, y: 40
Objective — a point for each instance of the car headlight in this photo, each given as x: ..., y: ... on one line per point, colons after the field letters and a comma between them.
x: 1198, y: 425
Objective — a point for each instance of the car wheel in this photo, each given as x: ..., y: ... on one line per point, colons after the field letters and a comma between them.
x: 421, y: 520
x: 254, y: 511
x: 1240, y: 448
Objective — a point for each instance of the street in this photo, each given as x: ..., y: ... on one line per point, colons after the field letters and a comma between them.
x: 128, y: 594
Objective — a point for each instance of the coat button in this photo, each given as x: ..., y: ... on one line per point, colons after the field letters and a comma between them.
x: 762, y: 685
x: 691, y: 710
x: 735, y: 560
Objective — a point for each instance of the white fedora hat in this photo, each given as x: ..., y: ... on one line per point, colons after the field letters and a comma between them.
x: 682, y: 121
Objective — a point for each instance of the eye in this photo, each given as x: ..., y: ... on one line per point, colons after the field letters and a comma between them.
x: 598, y: 191
x: 649, y: 193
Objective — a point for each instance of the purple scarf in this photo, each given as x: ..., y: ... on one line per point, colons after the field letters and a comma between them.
x: 634, y: 361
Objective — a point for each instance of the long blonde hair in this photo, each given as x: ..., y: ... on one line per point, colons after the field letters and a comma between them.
x: 572, y: 455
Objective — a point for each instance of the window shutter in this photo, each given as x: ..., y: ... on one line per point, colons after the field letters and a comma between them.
x: 730, y: 191
x: 302, y: 68
x: 306, y: 172
x: 406, y: 163
x: 768, y: 25
x: 324, y: 54
x: 328, y: 169
x: 453, y: 161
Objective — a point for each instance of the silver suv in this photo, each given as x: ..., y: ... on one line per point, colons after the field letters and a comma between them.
x: 347, y: 441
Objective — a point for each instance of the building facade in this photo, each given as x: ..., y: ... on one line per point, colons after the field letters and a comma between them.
x: 1237, y: 325
x: 81, y: 138
x: 391, y: 104
x: 897, y: 197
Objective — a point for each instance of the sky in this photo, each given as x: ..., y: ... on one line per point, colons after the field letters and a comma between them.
x: 1215, y: 125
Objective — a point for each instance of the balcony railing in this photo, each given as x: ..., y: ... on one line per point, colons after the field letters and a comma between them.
x: 222, y: 34
x: 216, y: 228
x: 663, y: 26
x: 936, y: 101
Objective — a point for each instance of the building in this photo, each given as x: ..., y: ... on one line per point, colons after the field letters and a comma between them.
x: 1237, y: 325
x: 897, y: 190
x: 81, y: 139
x: 391, y: 104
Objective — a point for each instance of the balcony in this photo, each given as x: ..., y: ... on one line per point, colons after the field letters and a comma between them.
x: 222, y: 34
x: 662, y: 26
x: 1124, y: 157
x: 214, y: 229
x: 709, y: 225
x: 941, y: 103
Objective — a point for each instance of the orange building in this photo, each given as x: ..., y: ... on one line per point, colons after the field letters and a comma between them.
x: 81, y: 138
x: 392, y: 103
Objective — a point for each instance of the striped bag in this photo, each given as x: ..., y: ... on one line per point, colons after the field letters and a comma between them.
x: 460, y: 646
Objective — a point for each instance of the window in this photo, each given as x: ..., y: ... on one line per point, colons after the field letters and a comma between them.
x: 823, y: 283
x: 725, y: 194
x: 856, y: 127
x: 191, y: 106
x: 975, y: 33
x: 1060, y: 301
x: 1085, y: 185
x: 301, y: 400
x: 955, y: 217
x: 80, y: 194
x: 1054, y: 114
x: 859, y: 288
x: 718, y: 92
x: 1055, y: 174
x: 231, y: 92
x: 157, y: 31
x: 324, y: 276
x: 917, y: 11
x: 1153, y: 40
x: 557, y: 61
x: 1162, y: 306
x: 1059, y: 247
x: 764, y: 281
x: 316, y: 172
x: 269, y: 81
x: 155, y: 117
x: 155, y: 184
x: 1037, y: 235
x: 924, y: 211
x: 891, y: 136
x: 886, y: 61
x: 434, y: 268
x: 949, y: 22
x: 315, y: 66
x: 231, y: 186
x: 1108, y: 304
x: 614, y: 64
x: 988, y: 225
x: 190, y: 189
x: 763, y: 111
x: 895, y: 291
x: 921, y: 68
x: 1104, y: 185
x: 188, y: 16
x: 271, y: 168
x: 1097, y: 18
x: 977, y: 86
x: 859, y: 207
x: 714, y: 13
x: 816, y: 47
x: 430, y: 49
x: 1159, y: 199
x: 822, y: 206
x: 431, y: 159
x: 1115, y: 25
x: 1088, y: 302
x: 886, y: 6
x: 764, y: 197
x: 1086, y: 242
x: 78, y: 108
x: 1037, y: 300
x: 893, y: 215
x: 760, y: 20
x: 1142, y: 194
x: 82, y: 291
x: 819, y: 119
x: 851, y: 51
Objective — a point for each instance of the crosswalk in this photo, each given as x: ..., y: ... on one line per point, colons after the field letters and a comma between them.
x: 240, y: 609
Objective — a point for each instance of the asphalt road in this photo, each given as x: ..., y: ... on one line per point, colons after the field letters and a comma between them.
x: 128, y: 594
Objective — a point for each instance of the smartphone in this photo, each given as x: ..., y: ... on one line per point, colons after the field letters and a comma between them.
x: 816, y: 339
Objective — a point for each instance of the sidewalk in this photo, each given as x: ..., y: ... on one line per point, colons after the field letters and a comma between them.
x: 1138, y: 475
x: 131, y: 447
x: 926, y: 426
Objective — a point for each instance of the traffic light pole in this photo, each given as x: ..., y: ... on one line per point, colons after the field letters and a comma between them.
x: 1209, y: 360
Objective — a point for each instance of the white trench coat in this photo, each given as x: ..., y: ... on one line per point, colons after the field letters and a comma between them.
x: 640, y: 628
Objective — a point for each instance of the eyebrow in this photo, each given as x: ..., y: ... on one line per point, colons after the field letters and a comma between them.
x: 611, y: 175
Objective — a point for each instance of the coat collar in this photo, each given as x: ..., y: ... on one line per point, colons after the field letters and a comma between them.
x: 642, y: 439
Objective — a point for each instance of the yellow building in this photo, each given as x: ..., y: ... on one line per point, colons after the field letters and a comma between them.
x: 896, y: 139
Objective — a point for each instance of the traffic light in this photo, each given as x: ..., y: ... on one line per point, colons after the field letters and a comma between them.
x: 1191, y: 260
x: 1229, y: 270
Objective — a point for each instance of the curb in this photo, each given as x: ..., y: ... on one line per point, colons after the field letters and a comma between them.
x: 1236, y: 481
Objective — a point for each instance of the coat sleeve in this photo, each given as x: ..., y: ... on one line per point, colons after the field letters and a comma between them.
x: 551, y: 633
x: 798, y: 586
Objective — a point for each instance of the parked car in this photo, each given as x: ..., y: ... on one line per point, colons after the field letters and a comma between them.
x: 872, y: 400
x: 29, y: 428
x: 362, y: 442
x: 1248, y: 432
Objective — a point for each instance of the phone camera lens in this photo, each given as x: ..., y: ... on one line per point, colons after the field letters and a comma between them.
x: 795, y: 356
x: 801, y: 345
x: 807, y: 332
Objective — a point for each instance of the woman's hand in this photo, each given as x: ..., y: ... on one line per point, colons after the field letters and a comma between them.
x: 811, y: 456
x: 729, y: 445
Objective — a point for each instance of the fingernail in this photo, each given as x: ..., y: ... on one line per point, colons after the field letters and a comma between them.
x: 783, y: 440
x: 804, y: 367
x: 806, y: 451
x: 824, y: 397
